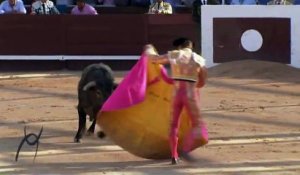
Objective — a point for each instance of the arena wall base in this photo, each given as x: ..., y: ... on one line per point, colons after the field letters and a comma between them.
x: 47, y: 63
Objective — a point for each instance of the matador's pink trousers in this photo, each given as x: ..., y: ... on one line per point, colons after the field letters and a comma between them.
x: 186, y: 95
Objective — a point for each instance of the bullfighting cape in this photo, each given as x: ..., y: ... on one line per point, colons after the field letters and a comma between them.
x: 137, y: 115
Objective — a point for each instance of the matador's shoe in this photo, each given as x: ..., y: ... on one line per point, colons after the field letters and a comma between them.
x: 174, y: 161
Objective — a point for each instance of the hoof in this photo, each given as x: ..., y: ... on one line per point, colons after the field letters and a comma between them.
x: 101, y: 134
x: 76, y: 140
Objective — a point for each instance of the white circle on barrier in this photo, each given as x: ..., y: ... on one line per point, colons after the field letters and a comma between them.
x: 251, y: 40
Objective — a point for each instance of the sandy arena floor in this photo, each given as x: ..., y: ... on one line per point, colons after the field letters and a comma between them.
x: 252, y: 110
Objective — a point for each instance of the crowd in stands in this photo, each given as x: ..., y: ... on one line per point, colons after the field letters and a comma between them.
x: 87, y: 7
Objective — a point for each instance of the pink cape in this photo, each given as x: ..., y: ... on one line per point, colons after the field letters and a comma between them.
x: 131, y: 90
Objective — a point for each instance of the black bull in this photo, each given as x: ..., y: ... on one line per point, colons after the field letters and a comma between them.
x: 94, y: 88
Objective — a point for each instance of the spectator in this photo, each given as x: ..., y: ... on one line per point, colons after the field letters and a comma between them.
x: 83, y: 8
x: 43, y: 7
x: 62, y: 5
x: 173, y: 3
x: 160, y: 7
x: 196, y: 12
x: 91, y: 2
x: 188, y: 3
x: 296, y: 2
x: 262, y: 2
x: 140, y: 3
x: 12, y: 7
x: 279, y: 2
x: 244, y: 2
x: 107, y: 2
x: 122, y: 3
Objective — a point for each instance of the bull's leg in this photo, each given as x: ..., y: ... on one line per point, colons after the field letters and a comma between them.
x: 91, y: 130
x: 92, y: 127
x: 81, y: 124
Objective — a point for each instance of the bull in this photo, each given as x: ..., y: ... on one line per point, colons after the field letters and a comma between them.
x: 95, y: 86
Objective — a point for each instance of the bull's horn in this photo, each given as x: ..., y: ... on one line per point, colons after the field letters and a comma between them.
x: 89, y: 85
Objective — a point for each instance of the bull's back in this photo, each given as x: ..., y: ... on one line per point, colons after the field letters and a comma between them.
x: 102, y: 75
x: 96, y: 72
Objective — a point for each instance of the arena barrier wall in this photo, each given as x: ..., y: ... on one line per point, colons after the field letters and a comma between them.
x: 75, y: 41
x: 238, y: 32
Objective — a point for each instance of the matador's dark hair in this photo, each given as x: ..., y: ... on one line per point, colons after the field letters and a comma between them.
x: 182, y: 42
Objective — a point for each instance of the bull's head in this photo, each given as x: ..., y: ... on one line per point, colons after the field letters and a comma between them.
x: 94, y: 92
x: 97, y: 92
x: 89, y: 85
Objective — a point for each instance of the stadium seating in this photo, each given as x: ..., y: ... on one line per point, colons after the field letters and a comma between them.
x: 296, y: 2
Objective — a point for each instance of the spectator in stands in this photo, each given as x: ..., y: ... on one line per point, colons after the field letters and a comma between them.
x: 173, y: 3
x: 244, y: 2
x: 83, y: 8
x: 160, y: 7
x: 122, y: 3
x: 196, y: 12
x: 188, y: 3
x: 12, y: 7
x: 279, y: 2
x: 296, y: 2
x: 262, y: 2
x: 62, y: 5
x: 107, y: 2
x: 140, y: 3
x: 44, y: 7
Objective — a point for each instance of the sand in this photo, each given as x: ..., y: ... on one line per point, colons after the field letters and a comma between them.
x: 251, y: 108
